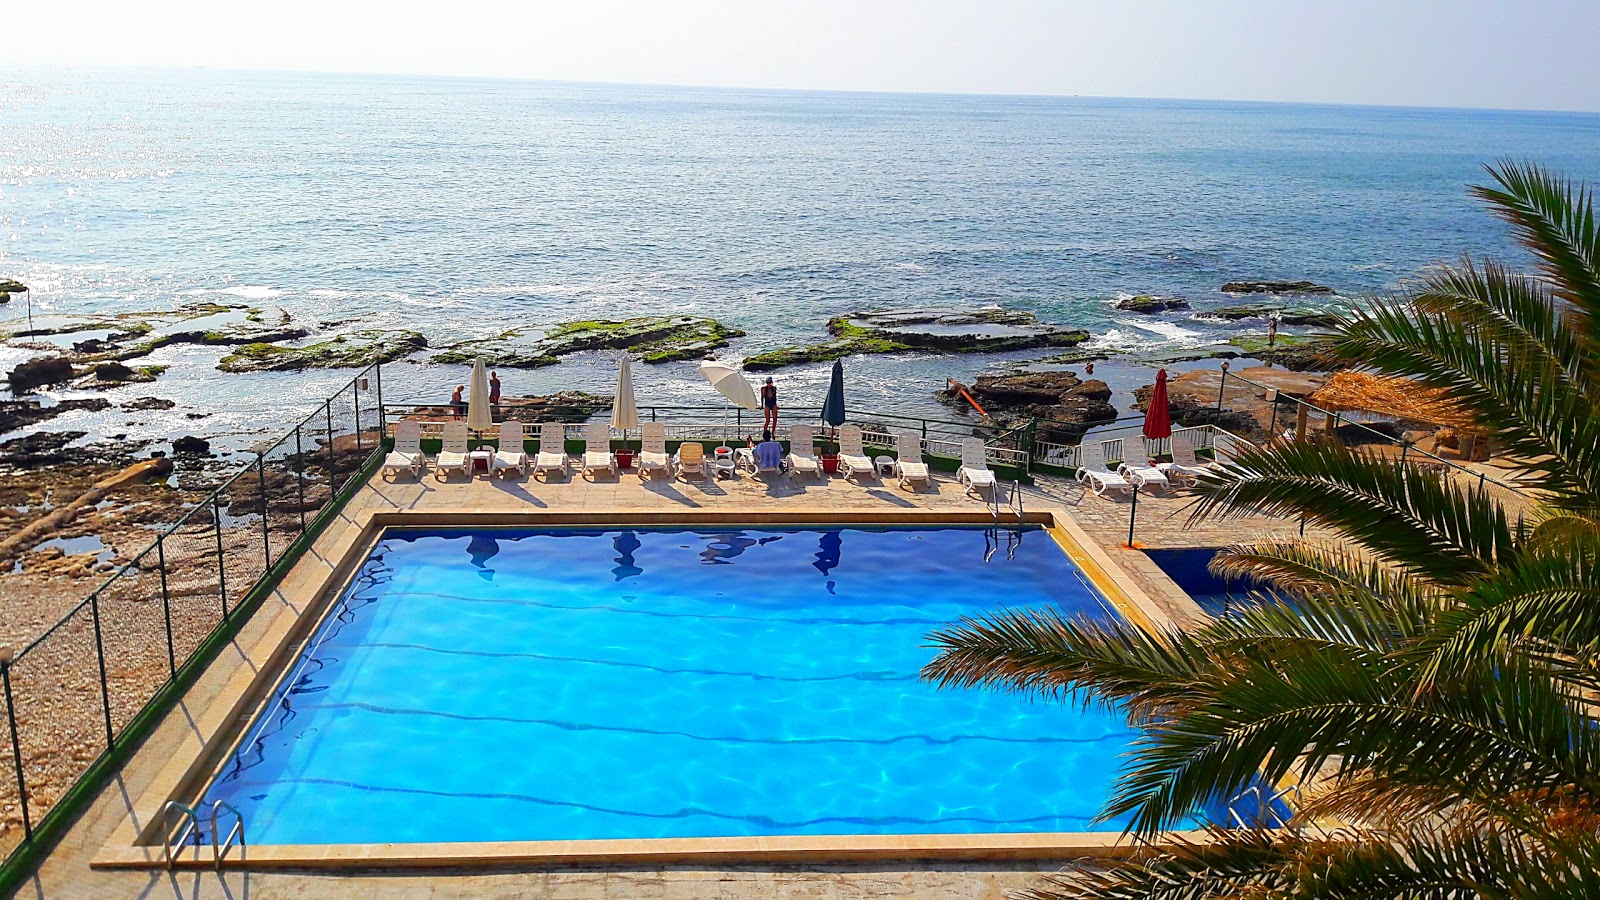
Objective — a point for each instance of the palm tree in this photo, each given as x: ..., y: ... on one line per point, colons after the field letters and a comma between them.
x: 1428, y: 675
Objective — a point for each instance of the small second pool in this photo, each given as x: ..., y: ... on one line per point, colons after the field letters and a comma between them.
x: 514, y: 685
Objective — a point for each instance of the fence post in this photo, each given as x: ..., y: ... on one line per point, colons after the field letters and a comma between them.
x: 355, y: 391
x: 100, y: 656
x: 266, y: 531
x: 1133, y: 513
x: 383, y: 414
x: 16, y: 743
x: 166, y: 604
x: 333, y: 461
x: 222, y: 569
x: 1222, y: 387
x: 300, y: 474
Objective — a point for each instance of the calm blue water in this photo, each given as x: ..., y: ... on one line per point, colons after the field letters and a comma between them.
x: 462, y: 207
x: 523, y: 685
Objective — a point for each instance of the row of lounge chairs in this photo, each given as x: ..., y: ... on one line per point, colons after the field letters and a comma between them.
x: 455, y: 456
x: 1093, y: 472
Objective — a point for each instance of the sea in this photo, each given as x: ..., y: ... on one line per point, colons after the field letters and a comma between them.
x: 464, y: 207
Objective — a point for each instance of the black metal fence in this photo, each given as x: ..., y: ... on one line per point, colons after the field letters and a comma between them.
x: 86, y: 687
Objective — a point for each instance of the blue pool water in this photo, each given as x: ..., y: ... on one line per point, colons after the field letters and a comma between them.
x: 529, y: 685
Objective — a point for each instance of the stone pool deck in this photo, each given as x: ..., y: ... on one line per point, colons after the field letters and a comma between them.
x: 127, y: 804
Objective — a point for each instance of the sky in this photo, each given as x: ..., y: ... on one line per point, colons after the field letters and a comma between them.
x: 1532, y: 54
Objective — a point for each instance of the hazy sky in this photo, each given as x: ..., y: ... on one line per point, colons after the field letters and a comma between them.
x: 1537, y: 54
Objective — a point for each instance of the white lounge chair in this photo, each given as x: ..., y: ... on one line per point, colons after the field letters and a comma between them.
x: 802, y: 458
x: 653, y: 449
x: 974, y: 474
x: 407, y: 452
x: 1185, y: 466
x: 910, y: 467
x: 512, y: 455
x: 552, y: 456
x: 1092, y: 470
x: 691, y: 458
x: 852, y: 457
x: 746, y: 460
x: 597, y: 455
x: 453, y: 456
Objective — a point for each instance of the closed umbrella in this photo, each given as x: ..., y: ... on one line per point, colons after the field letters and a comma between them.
x: 1158, y: 417
x: 833, y: 406
x: 624, y: 408
x: 479, y: 414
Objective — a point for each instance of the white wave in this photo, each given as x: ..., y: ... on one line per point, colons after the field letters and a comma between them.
x: 251, y: 292
x: 328, y: 292
x: 1169, y: 330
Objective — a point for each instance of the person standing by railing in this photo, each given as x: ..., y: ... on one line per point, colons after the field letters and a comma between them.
x: 458, y: 406
x: 494, y: 391
x: 769, y: 406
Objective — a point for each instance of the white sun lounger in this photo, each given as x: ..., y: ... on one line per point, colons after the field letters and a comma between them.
x: 653, y: 449
x: 407, y: 452
x: 852, y: 458
x: 802, y: 457
x: 453, y: 456
x: 691, y: 458
x: 512, y: 455
x: 552, y: 456
x: 1092, y: 470
x: 910, y: 467
x: 1185, y: 466
x: 974, y: 474
x: 597, y: 455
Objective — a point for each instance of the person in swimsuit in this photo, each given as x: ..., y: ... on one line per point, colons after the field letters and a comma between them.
x: 769, y: 406
x: 494, y: 389
x: 456, y: 403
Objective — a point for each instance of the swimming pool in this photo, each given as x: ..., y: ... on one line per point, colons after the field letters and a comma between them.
x: 527, y: 685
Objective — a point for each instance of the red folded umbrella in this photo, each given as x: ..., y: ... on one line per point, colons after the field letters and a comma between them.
x: 1158, y: 418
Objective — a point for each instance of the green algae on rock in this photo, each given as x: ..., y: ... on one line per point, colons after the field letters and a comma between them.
x: 1149, y: 305
x: 657, y: 339
x: 347, y: 351
x: 125, y: 336
x: 945, y: 329
x: 1287, y: 315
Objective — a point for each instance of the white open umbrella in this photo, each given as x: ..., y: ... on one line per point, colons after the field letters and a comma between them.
x: 624, y: 408
x: 479, y: 414
x: 730, y: 382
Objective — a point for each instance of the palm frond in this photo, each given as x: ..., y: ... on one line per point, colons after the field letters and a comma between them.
x: 1556, y: 222
x: 1442, y: 531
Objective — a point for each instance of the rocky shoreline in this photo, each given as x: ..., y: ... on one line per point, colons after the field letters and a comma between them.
x: 938, y: 329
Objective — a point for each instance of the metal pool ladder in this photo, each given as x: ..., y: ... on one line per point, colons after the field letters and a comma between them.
x: 1013, y: 533
x: 188, y: 821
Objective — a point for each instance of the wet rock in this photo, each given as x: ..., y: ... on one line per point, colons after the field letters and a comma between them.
x: 18, y: 414
x: 656, y: 339
x: 1295, y: 352
x: 562, y: 406
x: 1149, y: 305
x: 347, y: 351
x: 189, y: 444
x: 112, y: 371
x: 1059, y: 396
x: 945, y: 329
x: 38, y: 372
x: 41, y: 448
x: 9, y: 286
x: 149, y: 403
x: 1288, y: 316
x: 1275, y: 287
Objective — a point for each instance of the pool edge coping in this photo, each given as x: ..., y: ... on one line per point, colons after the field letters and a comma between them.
x: 227, y: 719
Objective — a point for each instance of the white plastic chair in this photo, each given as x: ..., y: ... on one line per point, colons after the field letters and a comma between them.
x: 1185, y: 466
x: 453, y: 456
x: 552, y: 456
x: 974, y: 474
x: 512, y: 456
x: 407, y: 452
x: 1092, y: 470
x: 653, y: 449
x: 910, y: 467
x: 802, y: 457
x: 597, y: 455
x: 852, y: 457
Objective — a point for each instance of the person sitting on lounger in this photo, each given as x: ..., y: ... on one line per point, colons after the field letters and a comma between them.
x: 769, y: 453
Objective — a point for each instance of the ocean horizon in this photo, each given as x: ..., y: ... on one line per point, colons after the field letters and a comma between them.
x: 463, y: 207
